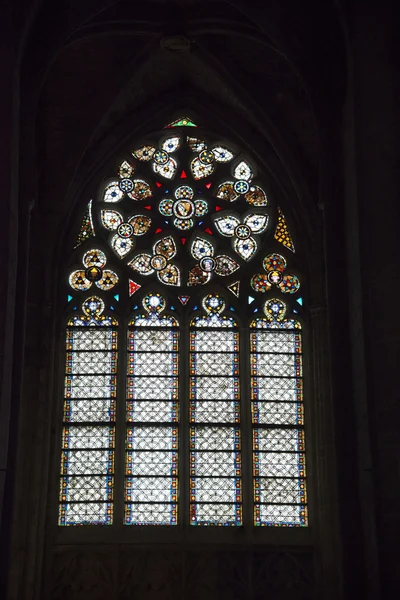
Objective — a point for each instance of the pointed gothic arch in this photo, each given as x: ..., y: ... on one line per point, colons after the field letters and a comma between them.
x: 185, y: 226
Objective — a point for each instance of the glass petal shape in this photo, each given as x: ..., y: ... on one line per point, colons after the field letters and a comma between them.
x: 245, y: 248
x: 125, y: 169
x: 289, y: 284
x: 256, y: 196
x: 78, y: 281
x: 94, y: 258
x: 144, y: 153
x: 170, y: 275
x: 197, y: 276
x: 122, y: 246
x: 166, y: 247
x: 200, y: 170
x: 260, y: 283
x: 111, y: 219
x: 184, y: 224
x: 108, y: 280
x: 226, y: 225
x: 201, y: 208
x: 141, y: 263
x: 243, y: 171
x: 166, y: 207
x: 168, y: 170
x: 274, y: 262
x: 225, y: 265
x: 222, y: 154
x: 226, y: 191
x: 112, y: 192
x: 201, y: 248
x: 140, y: 224
x: 140, y: 191
x: 196, y: 144
x: 171, y: 144
x: 257, y: 223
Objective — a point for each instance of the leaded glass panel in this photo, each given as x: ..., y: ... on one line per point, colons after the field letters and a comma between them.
x: 88, y: 441
x: 152, y: 438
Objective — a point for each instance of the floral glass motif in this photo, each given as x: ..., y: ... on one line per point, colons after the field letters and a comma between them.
x: 221, y: 154
x: 242, y: 232
x: 94, y: 261
x: 163, y: 163
x: 214, y: 413
x: 152, y: 412
x: 144, y: 153
x: 275, y: 265
x: 279, y: 483
x: 87, y: 228
x: 196, y: 144
x: 125, y: 170
x: 88, y: 439
x: 163, y: 251
x: 282, y: 233
x: 122, y: 243
x: 183, y: 208
x: 203, y: 251
x: 256, y: 196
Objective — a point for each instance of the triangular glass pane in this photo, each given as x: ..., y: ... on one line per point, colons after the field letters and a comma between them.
x: 182, y: 122
x: 184, y: 300
x: 234, y: 288
x: 282, y: 233
x: 87, y: 229
x: 133, y: 287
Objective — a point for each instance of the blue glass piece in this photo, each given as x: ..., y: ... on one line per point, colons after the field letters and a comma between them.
x: 296, y: 311
x: 172, y: 307
x: 195, y: 308
x: 201, y: 222
x: 232, y: 309
x: 255, y: 310
x: 166, y: 221
x: 300, y: 301
x: 75, y: 308
x: 135, y: 307
x: 250, y: 299
x: 69, y: 298
x: 116, y: 297
x: 166, y: 192
x: 111, y: 306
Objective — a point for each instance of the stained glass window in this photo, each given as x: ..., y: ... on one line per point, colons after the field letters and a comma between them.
x: 88, y: 439
x: 182, y: 245
x: 215, y: 437
x: 152, y: 438
x: 279, y: 469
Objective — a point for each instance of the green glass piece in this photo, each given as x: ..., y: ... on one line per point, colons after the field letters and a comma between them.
x: 87, y: 229
x: 182, y: 122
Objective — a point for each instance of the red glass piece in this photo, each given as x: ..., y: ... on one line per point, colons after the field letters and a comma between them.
x: 208, y: 230
x: 208, y: 185
x: 183, y: 175
x: 218, y: 208
x: 147, y: 207
x: 184, y: 299
x: 133, y: 287
x: 158, y: 184
x: 158, y: 230
x: 183, y: 240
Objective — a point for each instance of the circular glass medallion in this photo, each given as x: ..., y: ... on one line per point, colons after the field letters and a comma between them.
x: 126, y: 185
x: 158, y: 262
x: 242, y: 232
x: 93, y: 305
x: 125, y: 230
x: 207, y: 264
x: 184, y: 191
x: 160, y: 157
x: 206, y: 157
x: 274, y: 277
x: 241, y: 187
x: 183, y: 209
x: 94, y: 258
x: 183, y: 224
x: 93, y: 273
